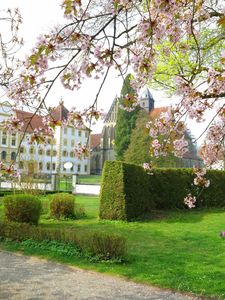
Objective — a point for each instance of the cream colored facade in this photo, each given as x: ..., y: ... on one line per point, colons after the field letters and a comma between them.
x: 43, y: 159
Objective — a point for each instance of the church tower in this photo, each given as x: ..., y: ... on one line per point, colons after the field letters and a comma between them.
x: 146, y: 101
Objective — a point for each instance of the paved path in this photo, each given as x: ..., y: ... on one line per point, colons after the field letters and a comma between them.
x: 29, y: 278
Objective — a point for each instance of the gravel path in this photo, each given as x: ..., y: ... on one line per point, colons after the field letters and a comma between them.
x: 29, y: 278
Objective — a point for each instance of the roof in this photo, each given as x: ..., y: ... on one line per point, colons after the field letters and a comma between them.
x: 60, y: 112
x: 34, y: 121
x: 157, y: 111
x: 95, y: 140
x: 146, y: 95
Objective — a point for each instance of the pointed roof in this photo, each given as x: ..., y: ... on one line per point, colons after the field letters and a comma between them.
x: 60, y: 112
x: 146, y: 95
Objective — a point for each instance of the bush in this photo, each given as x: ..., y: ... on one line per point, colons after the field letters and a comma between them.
x: 105, y: 246
x: 22, y: 208
x: 123, y: 191
x: 127, y: 191
x: 99, y: 244
x: 62, y: 206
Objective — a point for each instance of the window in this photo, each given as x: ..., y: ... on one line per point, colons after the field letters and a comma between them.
x: 65, y: 153
x: 31, y: 150
x: 54, y: 153
x: 22, y: 150
x: 4, y: 138
x: 13, y: 142
x: 73, y: 131
x: 65, y: 130
x: 72, y: 143
x: 48, y: 166
x: 21, y: 165
x: 53, y: 166
x: 78, y: 168
x: 79, y: 133
x: 40, y: 151
x: 65, y: 142
x: 13, y: 155
x: 85, y: 168
x: 3, y: 155
x: 48, y: 152
x: 40, y: 166
x: 71, y: 154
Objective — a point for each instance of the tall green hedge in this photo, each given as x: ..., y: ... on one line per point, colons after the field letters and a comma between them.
x: 128, y: 192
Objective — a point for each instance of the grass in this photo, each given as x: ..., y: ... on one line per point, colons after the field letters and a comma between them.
x: 179, y: 250
x: 89, y: 179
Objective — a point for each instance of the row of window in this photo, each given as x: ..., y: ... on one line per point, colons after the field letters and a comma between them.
x: 66, y: 130
x: 4, y: 139
x: 32, y: 150
x: 4, y: 155
x: 48, y: 152
x: 53, y: 168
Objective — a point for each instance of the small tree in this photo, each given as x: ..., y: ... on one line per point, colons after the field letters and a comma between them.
x: 140, y: 141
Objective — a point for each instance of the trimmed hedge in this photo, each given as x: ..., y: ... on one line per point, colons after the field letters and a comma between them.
x: 127, y: 191
x: 22, y: 208
x: 62, y: 206
x: 98, y: 244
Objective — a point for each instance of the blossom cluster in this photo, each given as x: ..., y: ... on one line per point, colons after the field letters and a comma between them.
x: 9, y: 170
x: 148, y: 168
x: 200, y: 180
x: 190, y: 201
x: 81, y: 151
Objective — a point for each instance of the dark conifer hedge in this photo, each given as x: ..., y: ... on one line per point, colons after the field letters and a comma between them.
x: 127, y: 191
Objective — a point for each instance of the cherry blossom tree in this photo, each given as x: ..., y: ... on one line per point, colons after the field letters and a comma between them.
x: 143, y: 37
x: 10, y: 43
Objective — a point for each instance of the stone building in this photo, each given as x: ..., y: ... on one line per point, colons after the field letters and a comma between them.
x: 40, y: 159
x: 102, y: 145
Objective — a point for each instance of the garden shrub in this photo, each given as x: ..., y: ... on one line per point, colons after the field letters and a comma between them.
x: 62, y: 206
x: 128, y: 192
x: 22, y: 208
x: 123, y: 191
x: 105, y: 246
x: 98, y: 244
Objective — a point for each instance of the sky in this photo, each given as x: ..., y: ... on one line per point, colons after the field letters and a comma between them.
x: 38, y: 18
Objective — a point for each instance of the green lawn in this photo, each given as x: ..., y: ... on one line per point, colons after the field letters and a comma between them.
x: 89, y: 179
x: 177, y: 250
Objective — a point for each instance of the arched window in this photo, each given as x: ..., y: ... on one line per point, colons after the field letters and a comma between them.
x: 31, y: 150
x: 40, y: 151
x: 40, y: 166
x: 13, y: 142
x: 4, y: 137
x: 48, y: 166
x: 22, y: 150
x: 13, y: 155
x: 71, y: 154
x: 3, y: 155
x: 54, y: 153
x: 65, y: 153
x: 48, y: 152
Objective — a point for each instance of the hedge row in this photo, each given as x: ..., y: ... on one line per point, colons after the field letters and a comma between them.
x: 103, y: 245
x: 127, y: 191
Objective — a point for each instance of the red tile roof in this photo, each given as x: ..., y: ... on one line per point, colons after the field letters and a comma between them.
x: 95, y: 140
x: 157, y: 111
x: 30, y: 120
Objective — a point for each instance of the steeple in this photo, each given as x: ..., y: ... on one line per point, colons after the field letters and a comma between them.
x: 147, y: 101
